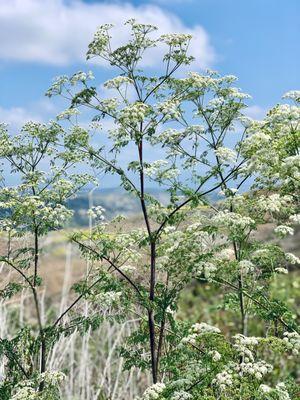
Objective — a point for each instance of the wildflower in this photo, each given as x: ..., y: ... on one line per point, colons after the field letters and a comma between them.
x: 67, y: 114
x: 226, y: 155
x: 204, y: 328
x: 208, y: 269
x: 96, y: 212
x: 295, y: 218
x: 181, y: 395
x: 292, y: 259
x: 25, y: 393
x: 246, y: 266
x: 293, y: 95
x: 292, y: 342
x: 265, y: 388
x: 170, y: 109
x: 175, y: 39
x: 81, y: 77
x: 153, y: 392
x: 273, y: 203
x: 134, y: 113
x: 223, y: 380
x: 283, y: 230
x: 117, y: 82
x: 100, y: 41
x: 280, y: 270
x: 235, y: 222
x: 215, y: 355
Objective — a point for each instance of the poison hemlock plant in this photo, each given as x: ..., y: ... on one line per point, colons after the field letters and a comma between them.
x: 32, y: 208
x: 198, y: 123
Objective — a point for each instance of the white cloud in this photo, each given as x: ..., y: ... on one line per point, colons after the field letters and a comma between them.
x: 170, y: 2
x: 255, y: 112
x: 58, y: 32
x: 15, y: 117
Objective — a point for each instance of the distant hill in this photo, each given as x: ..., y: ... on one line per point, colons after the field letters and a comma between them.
x: 115, y: 201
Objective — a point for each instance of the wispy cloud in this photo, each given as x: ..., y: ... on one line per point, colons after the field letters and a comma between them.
x: 39, y: 111
x: 57, y: 32
x: 256, y: 112
x: 15, y: 117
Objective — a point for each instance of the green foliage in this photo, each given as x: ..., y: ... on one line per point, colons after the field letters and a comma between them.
x: 143, y: 272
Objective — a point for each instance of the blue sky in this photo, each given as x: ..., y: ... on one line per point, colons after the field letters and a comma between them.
x: 257, y: 40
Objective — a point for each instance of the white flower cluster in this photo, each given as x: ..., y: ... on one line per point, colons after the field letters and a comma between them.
x: 57, y: 215
x: 234, y: 372
x: 100, y: 41
x: 232, y: 220
x: 108, y: 105
x: 273, y: 203
x: 235, y: 93
x: 128, y: 268
x: 81, y: 77
x: 292, y: 342
x: 107, y: 299
x: 202, y: 81
x: 246, y: 266
x: 215, y: 355
x: 208, y: 269
x: 295, y: 219
x: 292, y: 259
x: 198, y: 330
x: 170, y: 136
x: 194, y: 130
x: 256, y: 369
x: 57, y: 85
x: 175, y: 39
x: 153, y: 392
x: 6, y: 146
x: 223, y: 380
x: 134, y: 113
x: 265, y: 389
x: 117, y: 82
x: 291, y: 169
x: 153, y: 168
x: 279, y: 391
x: 244, y: 346
x: 216, y: 102
x: 52, y: 377
x: 169, y: 109
x: 139, y: 28
x: 292, y: 95
x: 203, y: 328
x: 281, y: 270
x: 181, y: 395
x: 34, y: 206
x: 96, y: 212
x: 6, y: 225
x: 283, y: 230
x: 27, y: 390
x: 229, y: 192
x: 34, y: 128
x: 225, y: 254
x: 226, y: 155
x: 257, y: 140
x: 25, y: 393
x: 67, y: 114
x: 284, y: 113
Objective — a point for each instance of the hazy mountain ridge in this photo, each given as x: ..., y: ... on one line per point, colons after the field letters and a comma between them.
x: 115, y: 201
